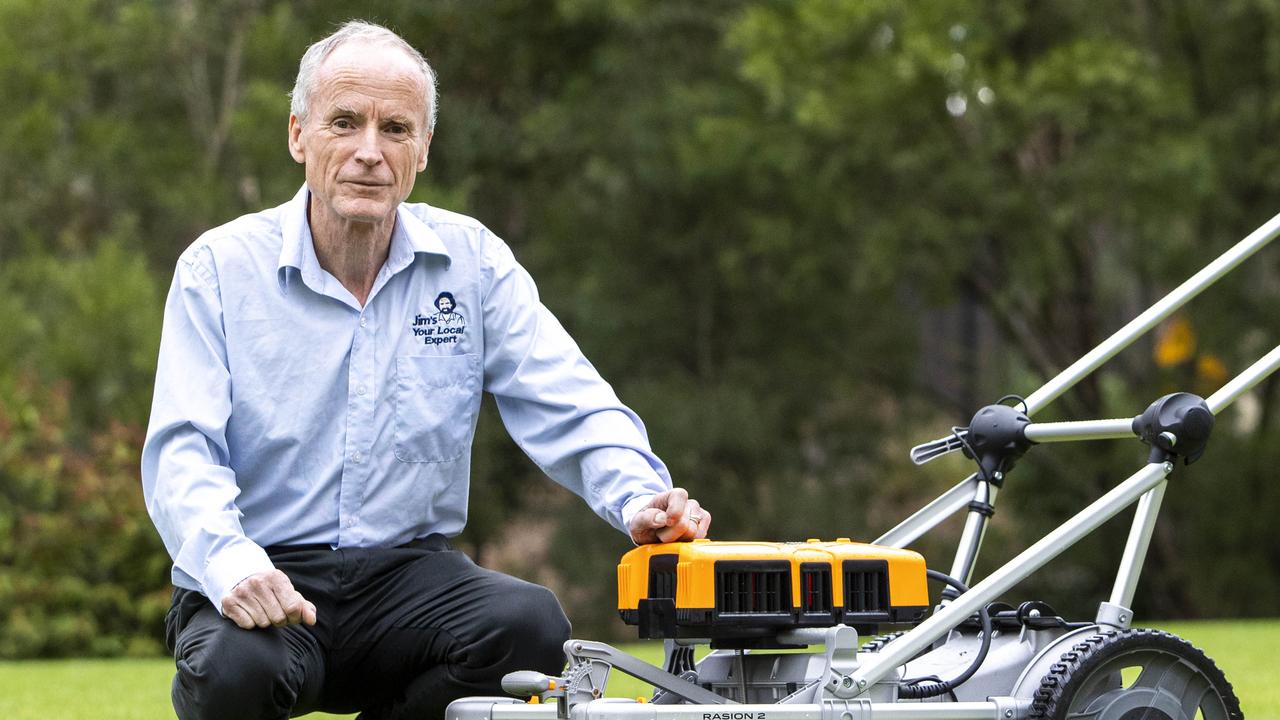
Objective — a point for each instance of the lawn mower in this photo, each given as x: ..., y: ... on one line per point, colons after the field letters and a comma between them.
x: 795, y: 627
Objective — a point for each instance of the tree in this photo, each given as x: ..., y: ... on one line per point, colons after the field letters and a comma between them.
x: 799, y: 237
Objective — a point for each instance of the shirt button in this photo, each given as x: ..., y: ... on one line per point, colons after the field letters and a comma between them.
x: 363, y: 322
x: 351, y: 521
x: 358, y: 456
x: 361, y: 390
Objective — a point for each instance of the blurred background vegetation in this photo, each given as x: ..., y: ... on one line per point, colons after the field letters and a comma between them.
x: 798, y: 237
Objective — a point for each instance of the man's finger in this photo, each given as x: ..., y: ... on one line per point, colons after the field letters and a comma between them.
x: 685, y: 529
x: 273, y: 609
x: 308, y: 613
x: 272, y: 595
x: 649, y: 519
x: 256, y: 611
x: 675, y: 533
x: 236, y: 614
x: 256, y: 594
x: 692, y: 512
x: 289, y: 600
x: 704, y: 525
x: 293, y: 607
x: 677, y: 498
x: 250, y: 607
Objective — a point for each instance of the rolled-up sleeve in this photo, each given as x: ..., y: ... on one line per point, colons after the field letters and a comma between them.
x: 189, y: 489
x: 554, y: 403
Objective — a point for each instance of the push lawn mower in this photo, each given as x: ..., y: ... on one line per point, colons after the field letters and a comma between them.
x: 788, y: 623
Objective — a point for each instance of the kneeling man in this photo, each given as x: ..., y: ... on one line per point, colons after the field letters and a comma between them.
x: 316, y: 397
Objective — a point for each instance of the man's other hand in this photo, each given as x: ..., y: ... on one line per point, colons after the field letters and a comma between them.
x: 670, y: 516
x: 267, y: 599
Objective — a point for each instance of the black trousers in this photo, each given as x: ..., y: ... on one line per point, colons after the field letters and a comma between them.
x: 400, y: 633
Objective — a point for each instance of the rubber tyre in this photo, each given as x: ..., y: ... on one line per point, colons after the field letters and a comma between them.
x: 1085, y: 684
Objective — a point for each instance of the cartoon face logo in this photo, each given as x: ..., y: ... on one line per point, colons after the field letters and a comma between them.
x: 447, y: 306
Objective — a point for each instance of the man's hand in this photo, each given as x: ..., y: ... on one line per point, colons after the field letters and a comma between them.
x: 267, y: 599
x: 669, y: 517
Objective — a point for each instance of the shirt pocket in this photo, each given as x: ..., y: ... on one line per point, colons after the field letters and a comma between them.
x: 436, y: 400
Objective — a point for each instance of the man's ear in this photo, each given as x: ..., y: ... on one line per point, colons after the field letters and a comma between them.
x: 295, y: 139
x: 422, y: 156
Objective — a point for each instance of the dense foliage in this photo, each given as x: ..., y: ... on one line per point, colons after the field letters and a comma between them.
x: 798, y: 236
x: 78, y: 562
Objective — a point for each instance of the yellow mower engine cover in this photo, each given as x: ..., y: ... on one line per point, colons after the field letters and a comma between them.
x: 739, y: 591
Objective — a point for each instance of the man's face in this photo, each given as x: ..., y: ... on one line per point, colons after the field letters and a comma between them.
x: 365, y: 138
x: 446, y: 305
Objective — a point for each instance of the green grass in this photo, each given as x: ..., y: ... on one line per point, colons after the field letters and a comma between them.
x: 1246, y: 651
x: 139, y: 689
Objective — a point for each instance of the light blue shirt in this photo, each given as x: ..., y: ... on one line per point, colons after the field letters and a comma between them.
x: 286, y: 413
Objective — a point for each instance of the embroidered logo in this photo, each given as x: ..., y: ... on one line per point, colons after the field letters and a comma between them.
x: 443, y: 327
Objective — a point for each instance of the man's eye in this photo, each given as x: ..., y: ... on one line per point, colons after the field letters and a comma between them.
x: 343, y: 124
x: 397, y: 129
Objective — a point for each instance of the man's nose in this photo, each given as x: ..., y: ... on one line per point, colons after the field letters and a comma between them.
x: 368, y: 151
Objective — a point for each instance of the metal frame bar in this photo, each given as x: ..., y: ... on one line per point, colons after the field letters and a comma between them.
x: 1011, y: 573
x: 1153, y: 315
x: 1243, y: 382
x: 1135, y: 548
x: 1079, y: 430
x: 931, y: 515
x: 975, y: 529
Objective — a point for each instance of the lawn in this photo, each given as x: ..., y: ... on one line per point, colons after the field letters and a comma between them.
x: 139, y: 689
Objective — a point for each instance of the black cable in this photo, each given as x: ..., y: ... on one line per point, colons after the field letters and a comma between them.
x: 1021, y: 401
x: 961, y: 434
x: 931, y: 678
x: 945, y: 578
x: 927, y: 687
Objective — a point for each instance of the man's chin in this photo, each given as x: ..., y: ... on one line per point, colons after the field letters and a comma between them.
x: 364, y: 210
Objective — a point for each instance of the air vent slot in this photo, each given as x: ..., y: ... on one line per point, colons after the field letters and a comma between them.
x: 866, y: 586
x: 815, y: 588
x: 745, y: 587
x: 662, y: 576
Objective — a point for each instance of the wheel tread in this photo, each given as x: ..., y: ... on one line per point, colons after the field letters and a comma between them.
x: 1052, y: 699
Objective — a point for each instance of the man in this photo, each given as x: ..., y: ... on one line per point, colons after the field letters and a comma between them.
x: 309, y: 446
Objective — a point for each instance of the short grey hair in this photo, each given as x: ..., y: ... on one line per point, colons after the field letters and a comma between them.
x: 360, y: 30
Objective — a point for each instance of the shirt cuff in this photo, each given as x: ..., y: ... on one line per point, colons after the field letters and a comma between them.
x: 633, y: 506
x: 231, y: 565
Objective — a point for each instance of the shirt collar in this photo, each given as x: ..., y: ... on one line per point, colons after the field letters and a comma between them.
x: 410, y: 237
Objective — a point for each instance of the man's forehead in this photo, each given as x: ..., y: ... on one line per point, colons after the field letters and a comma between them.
x: 371, y: 54
x: 357, y: 67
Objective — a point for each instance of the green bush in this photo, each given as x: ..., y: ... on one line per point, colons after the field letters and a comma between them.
x: 82, y: 572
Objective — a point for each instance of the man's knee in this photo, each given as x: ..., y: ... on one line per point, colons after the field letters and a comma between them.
x: 234, y: 673
x: 529, y: 629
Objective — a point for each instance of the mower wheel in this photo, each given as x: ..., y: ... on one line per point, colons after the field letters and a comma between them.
x: 1135, y: 674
